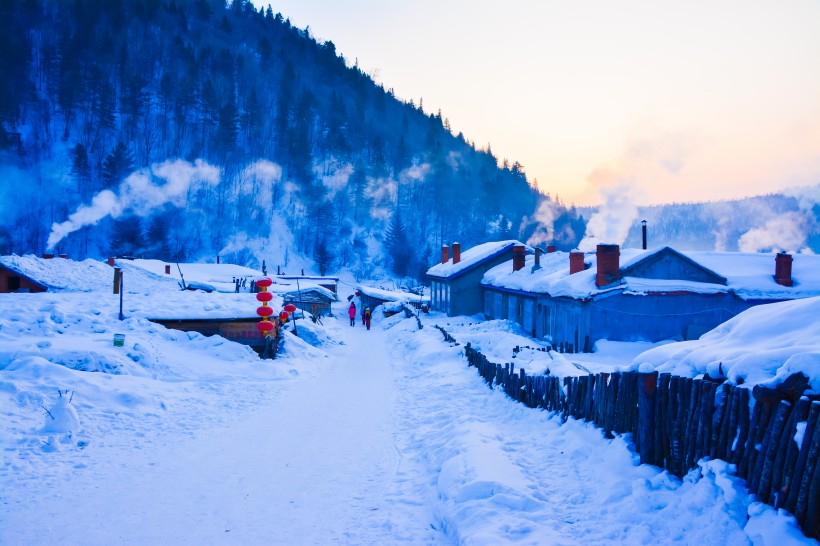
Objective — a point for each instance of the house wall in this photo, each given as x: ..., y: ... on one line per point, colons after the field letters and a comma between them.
x: 12, y: 282
x: 520, y: 308
x: 576, y: 325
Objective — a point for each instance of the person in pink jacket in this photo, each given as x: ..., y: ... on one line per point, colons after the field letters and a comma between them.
x: 351, y: 312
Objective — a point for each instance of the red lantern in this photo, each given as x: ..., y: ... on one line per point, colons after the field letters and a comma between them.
x: 264, y: 282
x: 264, y: 296
x: 264, y: 311
x: 283, y: 316
x: 290, y: 308
x: 357, y: 294
x: 264, y: 326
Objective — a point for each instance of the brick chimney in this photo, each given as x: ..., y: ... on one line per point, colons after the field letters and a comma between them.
x: 111, y: 261
x: 519, y: 257
x: 608, y: 264
x: 783, y: 269
x: 576, y: 262
x: 550, y: 249
x: 445, y: 254
x: 47, y: 256
x: 456, y: 253
x: 537, y: 265
x: 64, y: 256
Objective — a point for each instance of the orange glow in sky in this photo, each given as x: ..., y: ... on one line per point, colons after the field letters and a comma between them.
x: 685, y: 101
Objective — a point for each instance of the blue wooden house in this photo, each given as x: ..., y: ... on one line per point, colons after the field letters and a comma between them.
x: 576, y: 299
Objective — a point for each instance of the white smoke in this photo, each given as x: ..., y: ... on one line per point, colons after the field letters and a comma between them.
x: 786, y: 232
x: 334, y: 178
x: 383, y: 193
x: 611, y: 223
x: 259, y: 179
x: 139, y: 194
x: 414, y: 173
x: 545, y: 216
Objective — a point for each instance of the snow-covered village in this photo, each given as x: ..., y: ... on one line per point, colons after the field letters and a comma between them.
x: 253, y: 293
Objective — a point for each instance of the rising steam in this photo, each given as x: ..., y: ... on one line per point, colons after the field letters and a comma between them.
x: 788, y: 231
x: 545, y: 216
x: 610, y: 224
x: 139, y: 193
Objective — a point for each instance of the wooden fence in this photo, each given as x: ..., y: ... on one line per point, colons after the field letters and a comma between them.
x: 676, y: 421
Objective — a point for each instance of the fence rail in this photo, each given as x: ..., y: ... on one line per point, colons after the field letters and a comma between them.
x: 676, y: 421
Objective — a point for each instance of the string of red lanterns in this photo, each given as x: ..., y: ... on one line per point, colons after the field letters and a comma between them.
x: 265, y: 325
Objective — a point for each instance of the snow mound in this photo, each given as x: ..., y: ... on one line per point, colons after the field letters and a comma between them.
x: 763, y: 345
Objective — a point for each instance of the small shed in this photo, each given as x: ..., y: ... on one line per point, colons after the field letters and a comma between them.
x: 373, y: 297
x: 328, y: 283
x: 13, y: 280
x: 313, y: 299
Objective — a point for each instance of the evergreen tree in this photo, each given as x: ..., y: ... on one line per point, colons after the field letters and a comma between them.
x: 128, y: 239
x: 118, y: 165
x: 398, y: 246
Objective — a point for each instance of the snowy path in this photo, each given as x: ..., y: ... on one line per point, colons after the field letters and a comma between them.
x: 312, y: 468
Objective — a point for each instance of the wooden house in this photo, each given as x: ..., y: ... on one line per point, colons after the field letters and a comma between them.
x: 313, y: 299
x: 455, y: 282
x: 574, y: 300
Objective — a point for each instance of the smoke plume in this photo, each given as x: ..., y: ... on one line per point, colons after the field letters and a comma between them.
x: 545, y: 216
x: 786, y: 232
x: 610, y: 224
x: 139, y: 193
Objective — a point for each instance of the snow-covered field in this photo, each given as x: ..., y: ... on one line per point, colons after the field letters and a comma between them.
x: 357, y: 437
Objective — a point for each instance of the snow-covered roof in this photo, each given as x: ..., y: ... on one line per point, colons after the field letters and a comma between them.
x: 748, y: 275
x: 312, y: 278
x: 220, y: 276
x: 391, y: 295
x: 294, y: 293
x: 471, y: 258
x: 66, y: 275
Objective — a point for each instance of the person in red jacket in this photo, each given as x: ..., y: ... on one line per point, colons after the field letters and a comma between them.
x: 351, y: 312
x: 367, y: 317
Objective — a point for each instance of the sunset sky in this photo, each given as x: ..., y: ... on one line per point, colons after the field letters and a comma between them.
x: 682, y: 101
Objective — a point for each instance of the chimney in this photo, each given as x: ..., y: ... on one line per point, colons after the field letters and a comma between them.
x: 47, y: 256
x: 456, y: 253
x: 167, y: 269
x: 64, y: 256
x: 537, y: 265
x: 783, y: 269
x: 643, y: 233
x: 608, y: 264
x: 550, y: 249
x: 445, y: 254
x: 111, y: 261
x: 519, y: 257
x: 576, y: 262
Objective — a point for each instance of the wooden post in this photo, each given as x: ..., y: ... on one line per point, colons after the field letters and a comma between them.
x: 647, y: 393
x: 800, y: 413
x: 812, y: 447
x: 769, y: 450
x: 117, y: 272
x: 800, y: 465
